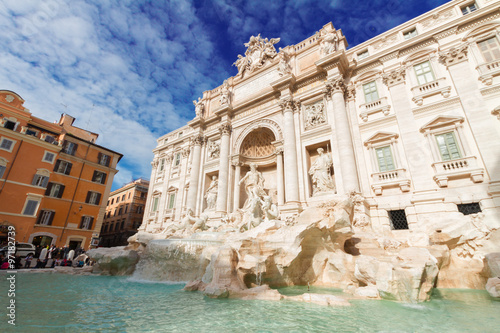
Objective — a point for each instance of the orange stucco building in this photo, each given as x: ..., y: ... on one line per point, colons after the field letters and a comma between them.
x: 54, y: 179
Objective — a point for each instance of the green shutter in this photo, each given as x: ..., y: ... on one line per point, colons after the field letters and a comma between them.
x: 384, y: 159
x: 448, y: 147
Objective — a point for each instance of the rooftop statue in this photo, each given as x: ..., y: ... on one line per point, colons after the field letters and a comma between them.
x: 199, y: 106
x: 258, y: 52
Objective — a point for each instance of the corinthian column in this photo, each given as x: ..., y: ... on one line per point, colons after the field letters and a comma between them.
x: 290, y: 151
x: 195, y: 172
x: 225, y: 130
x: 279, y: 174
x: 334, y: 90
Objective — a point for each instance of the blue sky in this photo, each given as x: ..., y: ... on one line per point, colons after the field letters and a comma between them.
x: 129, y: 69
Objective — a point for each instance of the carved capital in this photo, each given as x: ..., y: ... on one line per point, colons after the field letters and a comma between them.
x: 198, y: 140
x: 154, y: 164
x: 394, y: 77
x: 279, y: 151
x: 334, y: 86
x: 350, y: 92
x: 225, y: 129
x: 168, y: 158
x: 288, y: 104
x: 454, y: 55
x: 185, y: 152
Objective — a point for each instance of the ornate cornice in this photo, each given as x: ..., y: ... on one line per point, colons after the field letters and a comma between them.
x: 288, y: 104
x: 454, y: 55
x: 394, y: 77
x: 333, y: 86
x: 225, y: 129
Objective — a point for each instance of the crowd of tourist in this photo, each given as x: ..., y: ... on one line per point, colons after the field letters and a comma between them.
x: 48, y: 257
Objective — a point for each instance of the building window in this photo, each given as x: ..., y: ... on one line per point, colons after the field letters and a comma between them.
x: 112, y: 200
x: 48, y: 157
x: 123, y: 197
x: 162, y: 164
x: 93, y: 198
x: 177, y: 159
x: 31, y: 206
x: 448, y: 147
x: 86, y: 222
x: 31, y: 132
x: 126, y: 209
x: 2, y: 170
x: 69, y: 148
x: 171, y: 200
x: 424, y: 73
x: 103, y: 159
x: 6, y: 144
x: 46, y: 217
x: 55, y: 190
x: 370, y: 91
x: 40, y: 180
x: 490, y: 49
x: 363, y: 54
x: 120, y: 211
x: 105, y: 229
x: 384, y: 159
x: 63, y: 167
x: 398, y: 219
x: 122, y: 224
x: 470, y: 208
x: 469, y: 8
x: 50, y: 139
x: 117, y: 199
x: 10, y: 125
x: 129, y: 194
x: 154, y: 206
x: 179, y: 135
x: 139, y: 209
x: 99, y: 177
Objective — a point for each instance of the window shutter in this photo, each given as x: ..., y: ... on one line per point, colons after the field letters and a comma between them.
x: 99, y: 157
x: 34, y: 179
x: 68, y: 168
x: 81, y: 222
x: 94, y: 176
x: 47, y: 192
x: 51, y: 218
x: 73, y: 151
x: 98, y: 198
x: 45, y: 181
x: 87, y: 200
x: 91, y: 222
x: 61, y: 191
x: 57, y: 165
x: 108, y: 160
x: 103, y: 179
x: 39, y: 220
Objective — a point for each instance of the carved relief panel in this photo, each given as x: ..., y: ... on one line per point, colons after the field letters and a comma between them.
x: 314, y: 115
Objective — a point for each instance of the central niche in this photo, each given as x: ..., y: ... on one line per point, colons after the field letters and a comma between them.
x: 258, y: 143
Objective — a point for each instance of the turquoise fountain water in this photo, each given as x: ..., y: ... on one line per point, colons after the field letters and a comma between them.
x: 52, y: 302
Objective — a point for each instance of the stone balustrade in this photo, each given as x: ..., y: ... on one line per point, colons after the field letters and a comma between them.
x: 380, y: 105
x: 435, y: 87
x: 488, y: 70
x: 458, y: 168
x: 392, y: 178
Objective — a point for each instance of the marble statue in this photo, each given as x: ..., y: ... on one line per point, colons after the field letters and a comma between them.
x: 225, y: 94
x: 269, y: 209
x: 320, y: 173
x: 254, y: 184
x: 241, y: 64
x: 211, y: 193
x: 328, y: 42
x: 200, y: 224
x: 199, y: 106
x: 283, y: 65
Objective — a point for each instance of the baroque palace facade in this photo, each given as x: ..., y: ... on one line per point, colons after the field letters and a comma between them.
x: 54, y: 178
x: 409, y: 119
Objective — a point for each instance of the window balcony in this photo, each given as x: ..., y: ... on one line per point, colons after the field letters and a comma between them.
x: 388, y: 179
x: 429, y: 89
x: 488, y: 70
x: 380, y: 105
x: 457, y: 168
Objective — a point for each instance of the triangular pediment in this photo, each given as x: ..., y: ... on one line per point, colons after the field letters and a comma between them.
x: 156, y: 192
x: 172, y: 189
x: 381, y: 136
x: 441, y: 121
